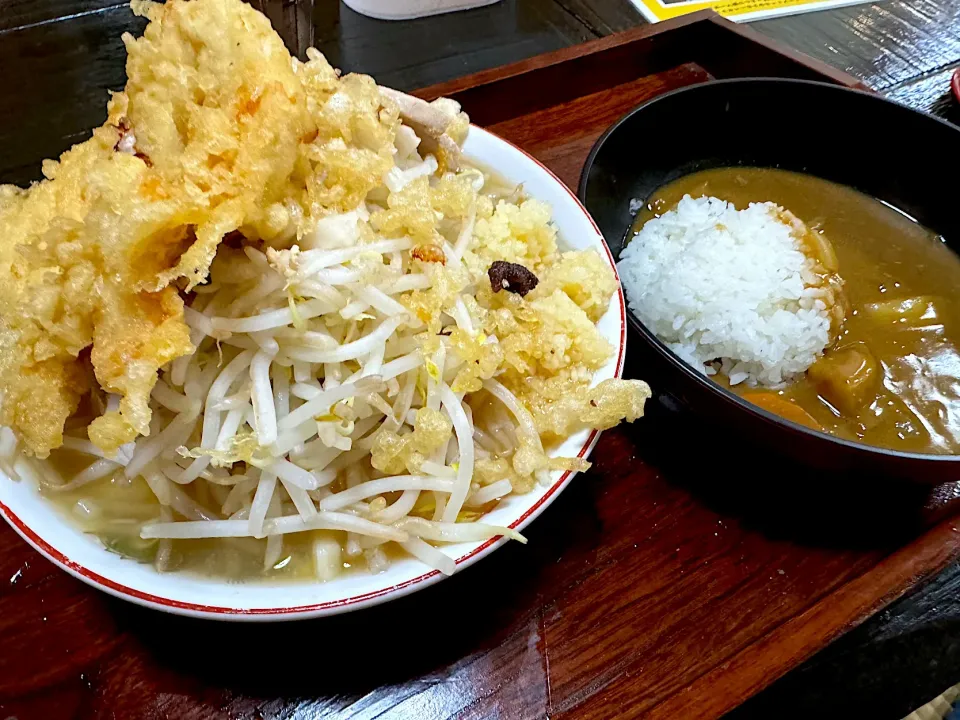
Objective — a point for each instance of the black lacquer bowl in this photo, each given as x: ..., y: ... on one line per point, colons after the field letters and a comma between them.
x: 898, y: 155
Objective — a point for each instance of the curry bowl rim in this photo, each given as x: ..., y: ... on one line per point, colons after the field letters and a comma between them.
x: 690, y: 373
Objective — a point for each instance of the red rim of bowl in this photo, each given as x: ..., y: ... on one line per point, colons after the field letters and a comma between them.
x: 363, y: 600
x: 955, y: 84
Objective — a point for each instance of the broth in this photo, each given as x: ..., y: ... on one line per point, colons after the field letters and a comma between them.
x: 115, y: 508
x: 891, y: 378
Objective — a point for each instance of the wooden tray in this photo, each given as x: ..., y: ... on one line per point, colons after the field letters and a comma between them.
x: 674, y: 580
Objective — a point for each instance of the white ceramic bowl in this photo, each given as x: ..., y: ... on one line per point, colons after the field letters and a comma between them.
x: 84, y: 557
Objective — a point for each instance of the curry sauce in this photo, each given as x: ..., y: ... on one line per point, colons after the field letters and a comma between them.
x: 891, y: 377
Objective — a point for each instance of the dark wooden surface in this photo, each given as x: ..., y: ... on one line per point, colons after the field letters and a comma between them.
x: 658, y: 585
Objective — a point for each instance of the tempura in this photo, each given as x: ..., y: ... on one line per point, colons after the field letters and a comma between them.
x: 264, y: 291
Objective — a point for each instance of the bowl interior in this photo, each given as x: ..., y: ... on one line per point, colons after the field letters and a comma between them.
x: 895, y: 154
x: 43, y: 527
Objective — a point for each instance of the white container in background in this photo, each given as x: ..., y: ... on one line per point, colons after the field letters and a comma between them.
x: 407, y: 9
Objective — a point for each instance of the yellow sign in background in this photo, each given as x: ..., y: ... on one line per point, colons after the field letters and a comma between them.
x: 741, y: 10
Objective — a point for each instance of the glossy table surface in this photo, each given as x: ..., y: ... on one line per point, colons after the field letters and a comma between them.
x: 66, y: 652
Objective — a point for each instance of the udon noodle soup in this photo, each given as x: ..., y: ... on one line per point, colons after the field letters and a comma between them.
x: 378, y: 357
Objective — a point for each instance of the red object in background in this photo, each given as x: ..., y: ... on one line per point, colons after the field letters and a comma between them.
x: 955, y: 84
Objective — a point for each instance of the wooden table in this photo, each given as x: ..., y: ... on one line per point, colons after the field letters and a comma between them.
x: 509, y: 638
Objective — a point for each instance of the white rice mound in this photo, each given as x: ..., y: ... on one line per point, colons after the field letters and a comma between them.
x: 728, y: 290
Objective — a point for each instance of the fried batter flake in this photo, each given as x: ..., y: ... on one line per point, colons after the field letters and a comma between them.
x: 217, y: 130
